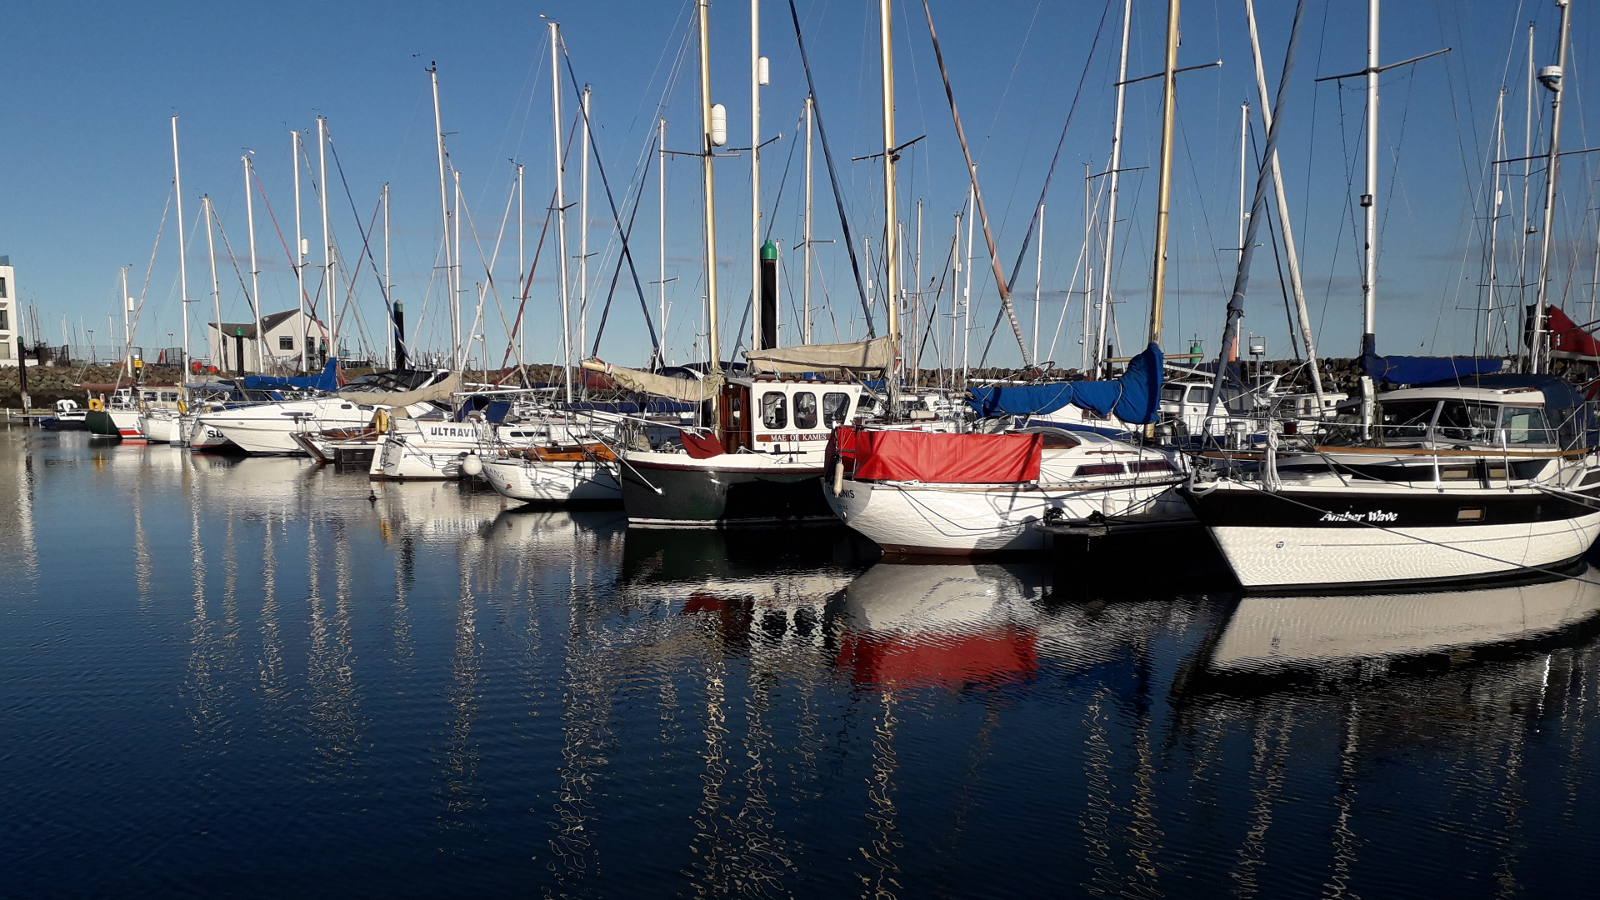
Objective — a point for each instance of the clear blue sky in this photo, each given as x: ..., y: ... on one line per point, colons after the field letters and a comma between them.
x: 85, y: 169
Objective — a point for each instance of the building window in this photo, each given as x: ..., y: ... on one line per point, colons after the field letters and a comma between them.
x: 5, y: 349
x: 286, y: 342
x: 5, y: 317
x: 3, y: 293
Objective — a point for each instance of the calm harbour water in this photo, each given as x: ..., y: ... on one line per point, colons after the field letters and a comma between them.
x: 230, y: 677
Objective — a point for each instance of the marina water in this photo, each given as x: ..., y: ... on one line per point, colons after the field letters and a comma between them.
x: 257, y: 677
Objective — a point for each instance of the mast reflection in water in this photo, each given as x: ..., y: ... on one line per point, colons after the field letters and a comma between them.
x: 257, y: 677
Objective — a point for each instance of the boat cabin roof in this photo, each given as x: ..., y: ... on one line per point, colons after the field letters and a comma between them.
x: 1516, y: 396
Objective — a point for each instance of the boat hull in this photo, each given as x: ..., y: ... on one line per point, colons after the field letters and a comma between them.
x: 555, y: 482
x: 165, y: 427
x: 1309, y: 539
x: 969, y: 520
x: 123, y: 423
x: 729, y: 491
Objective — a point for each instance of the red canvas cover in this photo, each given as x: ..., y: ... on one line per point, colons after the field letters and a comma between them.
x: 985, y: 657
x: 700, y: 446
x: 941, y: 458
x: 1567, y: 337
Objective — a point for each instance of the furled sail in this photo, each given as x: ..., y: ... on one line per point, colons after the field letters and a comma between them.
x: 402, y: 388
x: 659, y: 385
x: 877, y: 353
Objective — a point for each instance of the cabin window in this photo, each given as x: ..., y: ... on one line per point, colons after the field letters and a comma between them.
x: 1407, y: 420
x: 1463, y: 422
x: 1526, y: 425
x: 805, y: 410
x: 169, y: 397
x: 286, y: 342
x: 835, y: 409
x: 774, y: 411
x: 1172, y: 393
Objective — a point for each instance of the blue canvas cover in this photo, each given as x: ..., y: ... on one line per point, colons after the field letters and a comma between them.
x: 1425, y: 369
x: 1133, y: 397
x: 328, y: 380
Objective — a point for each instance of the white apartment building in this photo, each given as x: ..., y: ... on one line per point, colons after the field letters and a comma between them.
x: 9, y: 326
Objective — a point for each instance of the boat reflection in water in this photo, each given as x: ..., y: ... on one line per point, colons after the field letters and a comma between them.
x: 956, y: 625
x: 1362, y: 635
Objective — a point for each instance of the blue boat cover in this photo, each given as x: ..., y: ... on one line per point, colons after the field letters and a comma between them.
x: 327, y: 381
x: 1425, y: 369
x: 494, y: 409
x: 1134, y: 396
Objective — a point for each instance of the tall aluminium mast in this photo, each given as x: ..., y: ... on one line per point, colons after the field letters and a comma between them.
x: 1097, y: 352
x: 561, y: 209
x: 183, y: 257
x: 1551, y: 78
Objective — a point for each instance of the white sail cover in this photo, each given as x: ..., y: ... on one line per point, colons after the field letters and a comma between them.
x: 877, y: 353
x: 659, y: 385
x: 394, y: 389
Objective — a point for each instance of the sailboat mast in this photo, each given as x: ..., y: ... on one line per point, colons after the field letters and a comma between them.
x: 966, y: 290
x: 805, y: 325
x: 522, y: 271
x: 444, y: 218
x: 756, y: 337
x: 561, y: 208
x: 891, y: 259
x: 183, y: 257
x: 1169, y: 86
x: 1097, y: 347
x: 328, y: 265
x: 394, y: 310
x: 1369, y: 203
x: 1244, y: 153
x: 661, y: 229
x: 709, y: 209
x: 1038, y: 279
x: 1086, y: 352
x: 1494, y: 223
x: 299, y: 250
x: 255, y: 270
x: 127, y: 339
x: 583, y: 229
x: 1527, y: 180
x: 1552, y: 80
x: 1290, y: 253
x: 1369, y: 199
x: 216, y: 290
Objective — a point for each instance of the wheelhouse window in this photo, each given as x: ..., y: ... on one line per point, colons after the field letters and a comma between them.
x: 1406, y: 420
x: 805, y: 410
x: 774, y: 411
x: 1526, y: 425
x: 1467, y: 422
x: 835, y: 409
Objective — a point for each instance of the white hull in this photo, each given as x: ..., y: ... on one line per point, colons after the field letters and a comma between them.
x: 206, y: 437
x: 426, y: 449
x: 166, y: 427
x: 584, y: 481
x: 959, y: 519
x: 1286, y: 557
x: 128, y: 422
x: 269, y: 428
